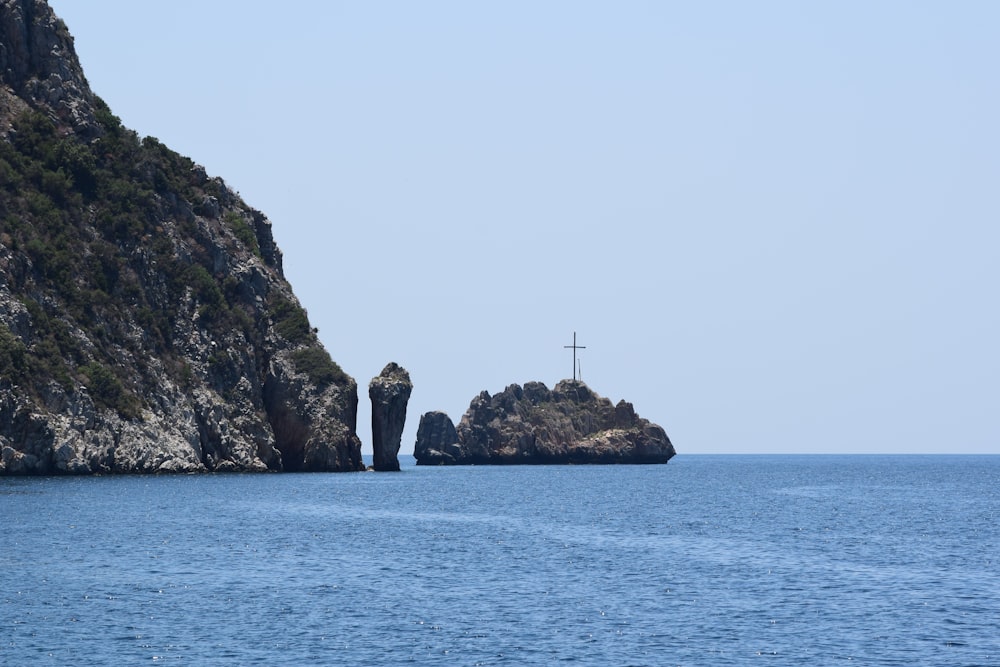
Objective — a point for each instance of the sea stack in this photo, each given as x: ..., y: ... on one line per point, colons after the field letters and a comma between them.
x: 389, y: 392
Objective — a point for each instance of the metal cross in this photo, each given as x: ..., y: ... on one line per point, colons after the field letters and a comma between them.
x: 575, y: 348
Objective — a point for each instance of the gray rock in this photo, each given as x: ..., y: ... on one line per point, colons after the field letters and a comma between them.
x: 38, y: 62
x: 437, y: 440
x: 189, y: 352
x: 315, y: 431
x: 389, y: 392
x: 530, y: 425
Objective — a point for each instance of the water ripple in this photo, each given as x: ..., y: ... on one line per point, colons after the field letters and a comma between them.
x: 715, y: 560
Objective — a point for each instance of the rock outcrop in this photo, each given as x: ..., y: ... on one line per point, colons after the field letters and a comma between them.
x: 437, y: 440
x: 531, y: 425
x: 389, y: 392
x: 39, y: 67
x: 145, y: 321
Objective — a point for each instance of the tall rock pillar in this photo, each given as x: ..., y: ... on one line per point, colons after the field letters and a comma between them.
x: 390, y: 392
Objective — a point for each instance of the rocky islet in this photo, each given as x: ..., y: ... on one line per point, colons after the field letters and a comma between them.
x: 532, y: 424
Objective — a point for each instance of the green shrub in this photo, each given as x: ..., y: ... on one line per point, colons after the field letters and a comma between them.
x: 243, y: 231
x: 205, y: 287
x: 9, y: 176
x: 317, y: 364
x: 79, y: 161
x: 46, y: 362
x: 290, y: 320
x: 13, y: 355
x: 111, y: 123
x: 108, y: 392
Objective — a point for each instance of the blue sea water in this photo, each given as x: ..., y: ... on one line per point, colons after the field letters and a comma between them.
x: 709, y: 560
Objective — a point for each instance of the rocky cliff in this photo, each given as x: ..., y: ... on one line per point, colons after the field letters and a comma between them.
x: 145, y: 321
x: 531, y: 424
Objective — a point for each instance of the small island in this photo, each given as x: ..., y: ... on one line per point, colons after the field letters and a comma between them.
x: 535, y: 425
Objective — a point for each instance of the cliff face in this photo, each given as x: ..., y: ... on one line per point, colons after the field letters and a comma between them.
x: 531, y: 424
x: 145, y: 321
x: 39, y: 68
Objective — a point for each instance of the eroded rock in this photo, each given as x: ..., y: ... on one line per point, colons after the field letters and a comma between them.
x: 531, y: 425
x: 437, y: 440
x: 389, y: 392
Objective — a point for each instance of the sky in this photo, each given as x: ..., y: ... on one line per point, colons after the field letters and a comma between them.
x: 773, y: 225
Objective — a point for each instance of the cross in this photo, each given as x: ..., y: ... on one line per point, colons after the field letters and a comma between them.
x: 575, y: 348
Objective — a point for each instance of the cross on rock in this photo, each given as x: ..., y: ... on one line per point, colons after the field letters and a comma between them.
x: 575, y: 348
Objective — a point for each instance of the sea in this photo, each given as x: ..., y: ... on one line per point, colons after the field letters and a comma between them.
x: 707, y: 560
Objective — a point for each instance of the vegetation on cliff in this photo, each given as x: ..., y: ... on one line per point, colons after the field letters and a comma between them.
x: 145, y: 322
x: 81, y: 288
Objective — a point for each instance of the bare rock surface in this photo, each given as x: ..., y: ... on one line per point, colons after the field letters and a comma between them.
x: 532, y: 425
x: 389, y: 392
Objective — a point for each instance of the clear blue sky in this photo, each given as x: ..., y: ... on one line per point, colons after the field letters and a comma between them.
x: 774, y: 225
